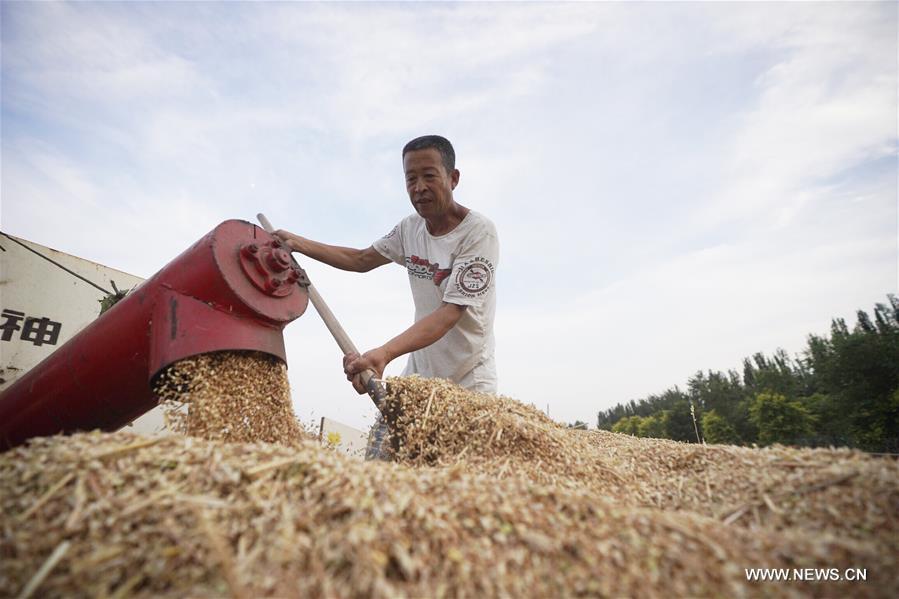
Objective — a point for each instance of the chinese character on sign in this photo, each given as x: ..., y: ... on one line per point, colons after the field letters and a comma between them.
x: 41, y: 330
x: 37, y: 330
x: 10, y: 324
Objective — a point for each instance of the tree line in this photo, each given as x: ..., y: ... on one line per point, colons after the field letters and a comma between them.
x: 842, y: 390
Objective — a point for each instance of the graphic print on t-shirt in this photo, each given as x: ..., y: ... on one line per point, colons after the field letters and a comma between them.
x: 473, y: 277
x: 423, y: 269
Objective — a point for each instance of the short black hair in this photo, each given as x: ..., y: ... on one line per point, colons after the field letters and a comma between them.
x: 436, y: 142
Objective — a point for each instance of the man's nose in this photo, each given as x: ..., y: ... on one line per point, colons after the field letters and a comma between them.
x: 419, y: 185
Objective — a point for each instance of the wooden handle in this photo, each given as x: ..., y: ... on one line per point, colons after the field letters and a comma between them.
x: 374, y: 388
x: 340, y: 336
x: 266, y: 223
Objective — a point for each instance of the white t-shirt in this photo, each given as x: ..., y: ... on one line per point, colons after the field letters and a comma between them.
x: 458, y: 268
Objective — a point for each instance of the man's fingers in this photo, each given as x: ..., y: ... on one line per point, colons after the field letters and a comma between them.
x: 353, y: 370
x: 354, y: 365
x: 348, y: 366
x: 357, y: 384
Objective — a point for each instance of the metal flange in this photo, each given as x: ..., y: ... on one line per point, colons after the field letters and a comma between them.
x: 270, y: 268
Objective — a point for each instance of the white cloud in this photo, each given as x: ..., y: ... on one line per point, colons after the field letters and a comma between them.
x: 388, y: 69
x: 823, y: 107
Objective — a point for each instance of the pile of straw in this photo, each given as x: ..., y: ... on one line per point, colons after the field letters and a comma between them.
x: 837, y: 490
x: 487, y: 497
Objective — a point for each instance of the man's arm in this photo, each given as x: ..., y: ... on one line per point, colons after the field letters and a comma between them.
x: 333, y: 255
x: 421, y: 334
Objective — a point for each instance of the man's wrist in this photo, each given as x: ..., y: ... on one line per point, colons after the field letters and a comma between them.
x: 296, y: 243
x: 389, y: 353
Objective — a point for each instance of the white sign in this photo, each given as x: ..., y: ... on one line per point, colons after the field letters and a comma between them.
x: 343, y: 438
x: 44, y: 303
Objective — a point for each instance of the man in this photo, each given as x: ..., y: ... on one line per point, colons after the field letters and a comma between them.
x: 450, y: 253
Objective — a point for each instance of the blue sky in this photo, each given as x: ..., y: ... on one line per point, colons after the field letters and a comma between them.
x: 675, y: 185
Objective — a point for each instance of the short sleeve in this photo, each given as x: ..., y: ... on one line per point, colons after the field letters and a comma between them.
x: 391, y: 245
x: 473, y: 277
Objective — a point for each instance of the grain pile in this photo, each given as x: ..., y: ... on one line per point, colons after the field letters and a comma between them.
x: 838, y: 490
x: 438, y: 424
x: 488, y: 497
x: 231, y: 396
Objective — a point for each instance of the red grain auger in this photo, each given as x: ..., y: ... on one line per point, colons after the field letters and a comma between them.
x: 235, y: 289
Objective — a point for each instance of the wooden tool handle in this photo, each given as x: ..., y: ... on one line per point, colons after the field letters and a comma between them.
x: 369, y: 379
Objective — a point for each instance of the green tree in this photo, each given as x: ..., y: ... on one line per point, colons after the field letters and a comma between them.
x: 859, y: 370
x: 716, y: 429
x: 779, y: 374
x: 629, y: 425
x: 726, y: 395
x: 832, y: 427
x: 679, y: 424
x: 655, y: 426
x: 780, y: 420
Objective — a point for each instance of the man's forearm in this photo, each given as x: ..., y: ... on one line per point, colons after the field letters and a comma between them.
x: 421, y: 334
x: 339, y: 257
x: 424, y: 332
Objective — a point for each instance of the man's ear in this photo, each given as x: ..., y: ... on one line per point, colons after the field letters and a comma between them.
x: 454, y: 178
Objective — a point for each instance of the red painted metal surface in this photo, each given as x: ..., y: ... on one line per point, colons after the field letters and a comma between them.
x: 202, y: 301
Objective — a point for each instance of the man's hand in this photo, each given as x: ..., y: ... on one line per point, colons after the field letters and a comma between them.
x: 354, y: 364
x: 289, y: 239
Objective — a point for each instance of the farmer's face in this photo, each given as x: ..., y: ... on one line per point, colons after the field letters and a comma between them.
x: 429, y: 186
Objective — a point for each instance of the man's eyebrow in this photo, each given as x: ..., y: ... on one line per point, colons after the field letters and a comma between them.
x: 426, y: 169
